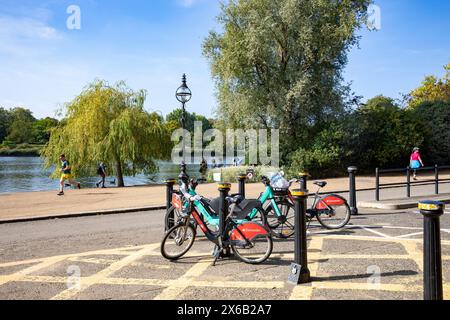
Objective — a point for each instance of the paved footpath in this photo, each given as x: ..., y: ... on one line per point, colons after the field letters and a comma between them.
x: 47, y: 204
x: 378, y: 256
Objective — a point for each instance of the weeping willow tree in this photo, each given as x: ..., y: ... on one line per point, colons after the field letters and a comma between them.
x: 108, y: 124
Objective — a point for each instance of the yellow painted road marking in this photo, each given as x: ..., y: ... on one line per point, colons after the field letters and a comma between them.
x: 414, y: 253
x: 20, y: 274
x: 330, y: 285
x: 118, y: 251
x: 96, y: 278
x: 173, y: 291
x: 304, y: 292
x: 110, y: 261
x: 176, y: 287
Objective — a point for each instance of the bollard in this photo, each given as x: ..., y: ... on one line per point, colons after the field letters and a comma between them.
x: 169, y: 192
x: 304, y: 180
x: 432, y: 263
x: 352, y: 190
x: 241, y: 178
x: 299, y: 272
x: 436, y: 179
x: 408, y: 182
x: 377, y: 184
x: 224, y: 189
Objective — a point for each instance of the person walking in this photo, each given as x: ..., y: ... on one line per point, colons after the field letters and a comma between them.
x: 66, y: 174
x: 101, y: 171
x: 203, y: 169
x: 416, y: 161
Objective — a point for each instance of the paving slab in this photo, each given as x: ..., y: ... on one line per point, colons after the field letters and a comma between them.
x: 402, y: 203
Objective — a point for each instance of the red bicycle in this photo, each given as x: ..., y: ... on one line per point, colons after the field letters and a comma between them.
x: 331, y: 210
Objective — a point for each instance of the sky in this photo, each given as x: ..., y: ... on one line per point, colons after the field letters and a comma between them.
x: 151, y: 43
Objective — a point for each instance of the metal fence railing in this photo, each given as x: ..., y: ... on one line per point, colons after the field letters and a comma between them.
x: 408, y: 184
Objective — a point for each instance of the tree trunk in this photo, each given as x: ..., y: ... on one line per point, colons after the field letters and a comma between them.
x: 119, y: 172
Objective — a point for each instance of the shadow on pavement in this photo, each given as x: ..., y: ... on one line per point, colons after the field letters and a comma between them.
x: 366, y: 276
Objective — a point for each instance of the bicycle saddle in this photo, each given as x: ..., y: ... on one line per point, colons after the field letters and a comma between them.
x: 245, y: 207
x: 321, y: 184
x: 234, y: 199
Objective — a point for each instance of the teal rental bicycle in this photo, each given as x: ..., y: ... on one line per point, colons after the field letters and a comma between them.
x: 208, y: 209
x: 250, y: 241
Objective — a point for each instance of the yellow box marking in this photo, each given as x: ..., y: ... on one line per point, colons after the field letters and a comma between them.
x: 96, y: 278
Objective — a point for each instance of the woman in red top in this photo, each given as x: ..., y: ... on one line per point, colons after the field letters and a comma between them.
x: 416, y: 161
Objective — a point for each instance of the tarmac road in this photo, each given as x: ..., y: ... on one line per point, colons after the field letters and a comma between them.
x: 118, y: 257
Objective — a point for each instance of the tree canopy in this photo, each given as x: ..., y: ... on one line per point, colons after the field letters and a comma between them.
x: 19, y: 126
x: 278, y: 64
x: 109, y: 124
x: 433, y: 89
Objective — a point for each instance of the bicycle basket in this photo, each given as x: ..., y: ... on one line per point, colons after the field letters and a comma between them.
x: 280, y: 192
x: 176, y: 201
x: 279, y: 182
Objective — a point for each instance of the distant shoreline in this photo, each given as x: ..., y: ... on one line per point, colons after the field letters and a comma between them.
x: 25, y: 150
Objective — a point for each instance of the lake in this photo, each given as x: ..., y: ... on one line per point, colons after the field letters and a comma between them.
x: 23, y: 174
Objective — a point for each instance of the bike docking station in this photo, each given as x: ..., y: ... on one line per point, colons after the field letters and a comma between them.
x: 432, y: 252
x: 352, y: 190
x: 299, y: 272
x: 242, y: 178
x: 221, y: 251
x: 303, y: 179
x: 169, y: 194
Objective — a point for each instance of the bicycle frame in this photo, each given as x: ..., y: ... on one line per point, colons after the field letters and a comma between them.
x: 241, y: 233
x: 321, y: 203
x: 209, y: 217
x: 267, y: 195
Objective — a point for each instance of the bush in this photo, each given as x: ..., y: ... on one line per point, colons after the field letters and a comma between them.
x: 229, y: 174
x: 436, y: 149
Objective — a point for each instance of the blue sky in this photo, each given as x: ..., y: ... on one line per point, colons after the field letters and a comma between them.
x: 151, y: 43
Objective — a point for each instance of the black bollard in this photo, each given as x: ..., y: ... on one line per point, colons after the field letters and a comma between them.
x: 352, y: 190
x: 432, y: 260
x: 304, y: 180
x: 224, y: 189
x: 299, y: 272
x: 242, y: 178
x: 169, y: 192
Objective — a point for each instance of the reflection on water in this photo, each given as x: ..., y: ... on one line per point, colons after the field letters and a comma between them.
x: 24, y: 174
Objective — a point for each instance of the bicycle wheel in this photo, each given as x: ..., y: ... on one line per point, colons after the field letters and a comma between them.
x: 172, y: 216
x: 336, y: 217
x: 258, y: 251
x: 177, y: 241
x: 260, y: 217
x: 281, y: 226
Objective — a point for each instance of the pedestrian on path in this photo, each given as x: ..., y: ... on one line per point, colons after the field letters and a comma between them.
x: 66, y: 174
x: 203, y: 169
x: 101, y: 171
x: 416, y: 161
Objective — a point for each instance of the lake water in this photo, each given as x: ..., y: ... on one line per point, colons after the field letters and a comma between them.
x: 22, y: 174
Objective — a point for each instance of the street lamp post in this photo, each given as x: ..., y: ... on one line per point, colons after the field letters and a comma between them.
x: 183, y: 95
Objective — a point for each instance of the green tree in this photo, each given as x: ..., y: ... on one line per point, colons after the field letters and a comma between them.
x: 42, y: 129
x: 21, y: 126
x: 5, y: 120
x: 278, y: 64
x: 436, y: 115
x: 383, y: 135
x: 433, y: 89
x: 109, y: 124
x: 173, y: 120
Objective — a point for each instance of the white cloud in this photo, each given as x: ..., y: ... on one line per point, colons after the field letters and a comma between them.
x: 187, y: 3
x: 26, y: 28
x: 25, y: 36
